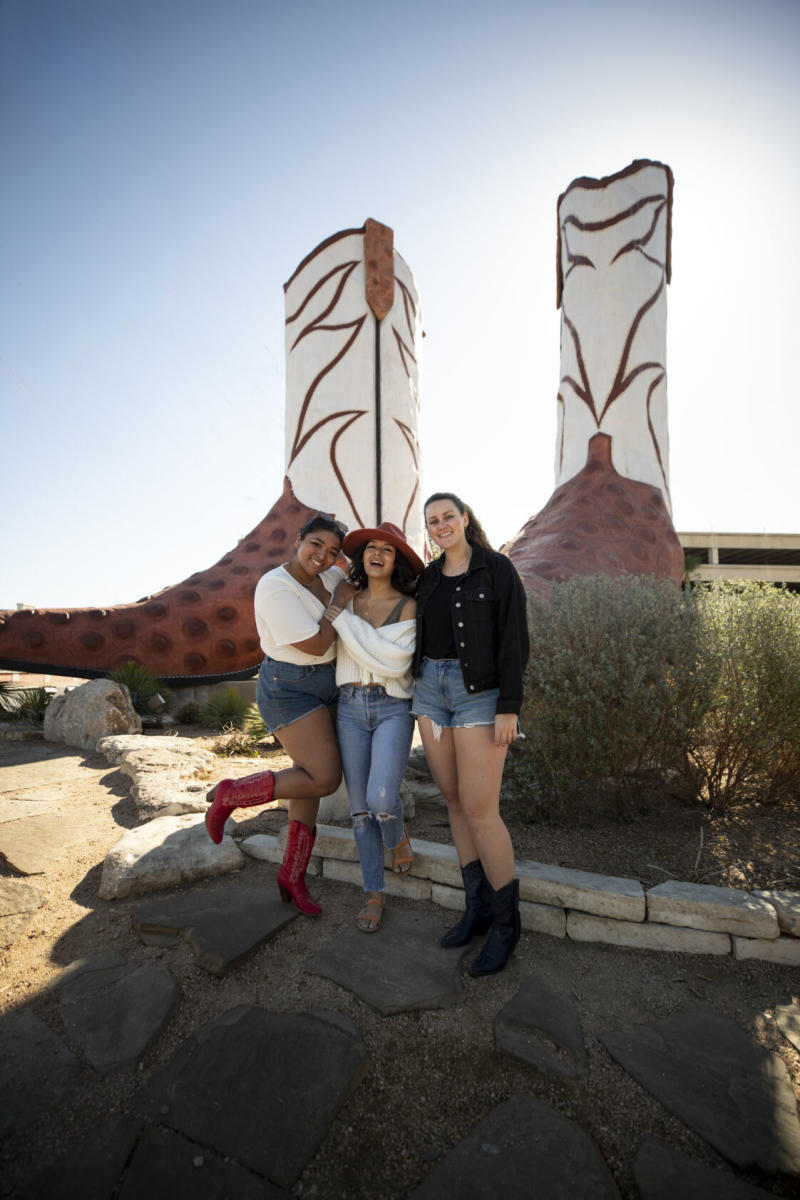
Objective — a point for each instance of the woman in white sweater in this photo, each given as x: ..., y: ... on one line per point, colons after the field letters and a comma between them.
x: 374, y: 725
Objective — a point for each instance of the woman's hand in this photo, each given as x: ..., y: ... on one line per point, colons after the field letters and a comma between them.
x: 505, y: 728
x: 343, y: 594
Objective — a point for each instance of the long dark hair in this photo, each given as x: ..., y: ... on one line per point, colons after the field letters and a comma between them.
x: 404, y: 578
x: 474, y: 530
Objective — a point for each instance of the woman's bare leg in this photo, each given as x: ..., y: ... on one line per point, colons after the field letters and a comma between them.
x: 317, y: 771
x: 479, y: 770
x: 441, y: 756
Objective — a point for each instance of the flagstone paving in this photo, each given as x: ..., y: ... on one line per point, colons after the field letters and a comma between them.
x: 787, y: 1018
x: 244, y: 1101
x: 541, y: 1026
x: 31, y: 844
x: 732, y: 1091
x: 115, y: 1010
x: 402, y: 968
x: 664, y: 1173
x: 523, y: 1148
x: 36, y: 1070
x: 18, y: 903
x: 260, y: 1087
x: 223, y: 928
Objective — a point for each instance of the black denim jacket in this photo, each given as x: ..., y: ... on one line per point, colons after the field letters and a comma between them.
x: 490, y: 626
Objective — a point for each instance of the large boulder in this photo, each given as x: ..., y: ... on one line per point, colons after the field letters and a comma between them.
x: 95, y: 710
x: 169, y: 775
x: 166, y: 852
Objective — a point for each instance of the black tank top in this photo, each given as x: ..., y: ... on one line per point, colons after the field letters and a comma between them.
x: 437, y: 624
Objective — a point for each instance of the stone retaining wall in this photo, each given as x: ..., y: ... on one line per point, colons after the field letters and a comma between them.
x: 687, y: 917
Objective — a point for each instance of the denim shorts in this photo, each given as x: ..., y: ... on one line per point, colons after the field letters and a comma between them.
x: 439, y: 693
x: 285, y: 692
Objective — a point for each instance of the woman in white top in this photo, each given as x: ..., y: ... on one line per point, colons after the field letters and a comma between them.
x: 295, y: 605
x: 374, y: 725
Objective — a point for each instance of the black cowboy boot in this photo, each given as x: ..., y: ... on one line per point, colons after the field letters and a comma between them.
x: 478, y: 916
x: 505, y: 931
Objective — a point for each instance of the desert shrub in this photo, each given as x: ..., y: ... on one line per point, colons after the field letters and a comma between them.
x: 24, y: 704
x: 252, y: 740
x: 237, y: 743
x: 254, y: 724
x: 745, y: 744
x: 189, y: 713
x: 610, y: 688
x: 143, y: 687
x: 224, y: 710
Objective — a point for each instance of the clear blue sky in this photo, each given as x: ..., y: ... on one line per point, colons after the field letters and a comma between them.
x: 167, y: 163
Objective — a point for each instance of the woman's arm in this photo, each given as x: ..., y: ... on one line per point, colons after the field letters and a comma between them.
x: 505, y: 728
x: 287, y: 621
x: 512, y: 636
x: 319, y: 642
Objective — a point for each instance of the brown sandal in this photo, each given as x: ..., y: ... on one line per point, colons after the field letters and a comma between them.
x: 370, y: 921
x: 402, y: 856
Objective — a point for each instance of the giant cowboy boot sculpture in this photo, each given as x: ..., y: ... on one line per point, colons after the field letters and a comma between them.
x: 352, y: 328
x: 352, y: 338
x: 610, y: 511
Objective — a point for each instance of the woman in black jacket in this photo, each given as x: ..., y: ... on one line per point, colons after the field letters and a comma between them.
x: 471, y: 651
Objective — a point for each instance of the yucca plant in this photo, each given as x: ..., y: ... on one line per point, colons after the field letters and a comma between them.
x: 23, y: 704
x: 142, y: 685
x: 254, y: 724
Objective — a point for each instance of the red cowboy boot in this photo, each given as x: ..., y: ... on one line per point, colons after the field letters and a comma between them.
x: 236, y: 793
x: 292, y: 875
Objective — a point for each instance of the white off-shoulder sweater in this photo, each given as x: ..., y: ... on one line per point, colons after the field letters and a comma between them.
x: 369, y: 655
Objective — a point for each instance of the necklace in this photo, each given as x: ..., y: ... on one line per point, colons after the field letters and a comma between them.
x: 382, y: 605
x: 460, y: 569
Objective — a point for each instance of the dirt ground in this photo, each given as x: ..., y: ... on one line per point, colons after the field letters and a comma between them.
x: 432, y: 1075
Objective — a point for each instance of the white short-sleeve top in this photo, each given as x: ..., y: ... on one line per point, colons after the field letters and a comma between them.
x: 286, y: 612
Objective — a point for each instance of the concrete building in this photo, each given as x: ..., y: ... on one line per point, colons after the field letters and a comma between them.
x: 771, y: 557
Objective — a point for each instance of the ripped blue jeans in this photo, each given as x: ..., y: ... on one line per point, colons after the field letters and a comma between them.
x: 374, y: 732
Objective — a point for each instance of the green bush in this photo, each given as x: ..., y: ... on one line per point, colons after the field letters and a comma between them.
x: 745, y: 744
x: 143, y: 687
x: 610, y: 689
x: 632, y: 682
x: 224, y: 710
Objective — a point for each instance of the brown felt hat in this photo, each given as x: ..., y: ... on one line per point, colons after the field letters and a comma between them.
x: 385, y: 532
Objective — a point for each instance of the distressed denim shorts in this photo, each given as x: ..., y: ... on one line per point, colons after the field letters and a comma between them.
x: 285, y: 692
x: 439, y: 693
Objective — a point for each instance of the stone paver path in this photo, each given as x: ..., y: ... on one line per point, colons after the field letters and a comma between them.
x: 261, y: 1087
x: 541, y: 1026
x: 18, y: 902
x: 31, y: 844
x: 245, y: 1100
x: 403, y: 967
x: 663, y: 1173
x: 787, y: 1018
x: 223, y: 928
x: 115, y: 1009
x: 733, y: 1092
x: 523, y: 1148
x: 36, y: 1070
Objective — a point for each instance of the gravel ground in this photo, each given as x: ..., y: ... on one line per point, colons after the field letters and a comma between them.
x: 431, y: 1075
